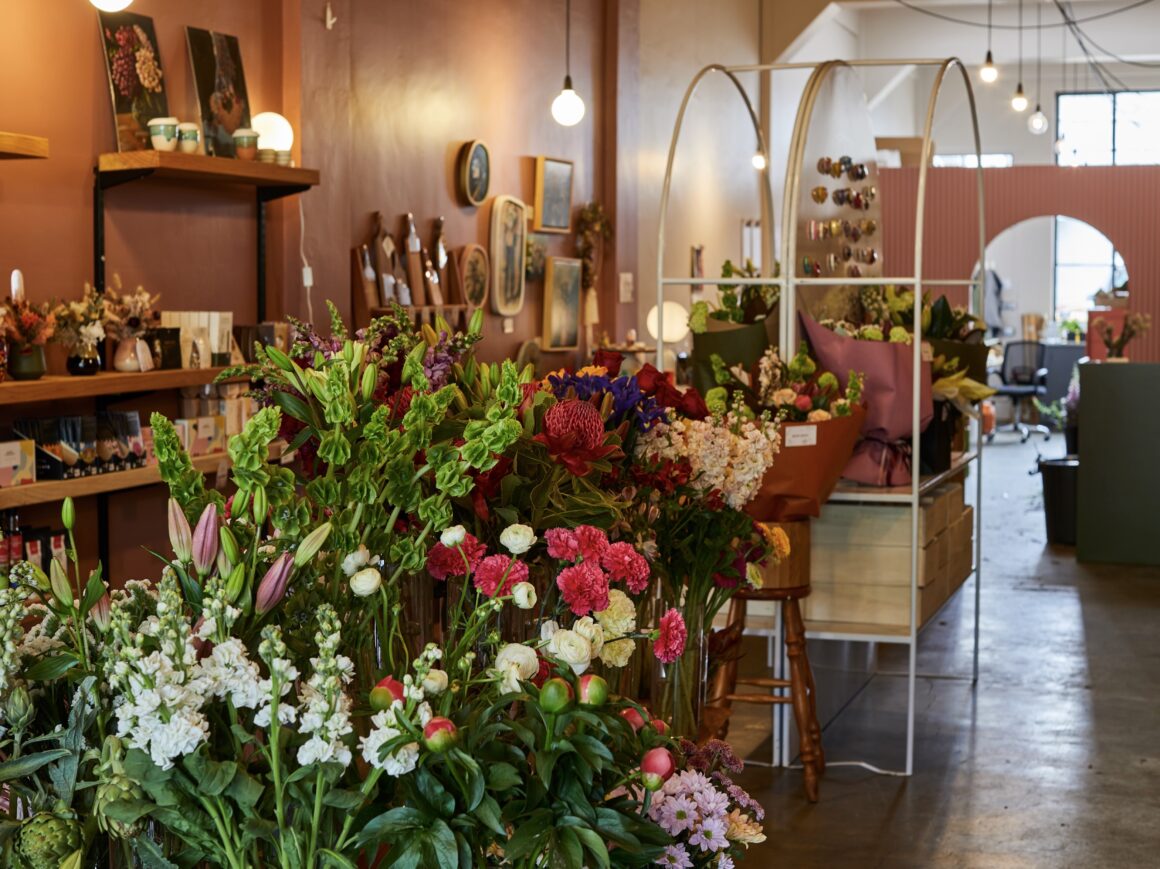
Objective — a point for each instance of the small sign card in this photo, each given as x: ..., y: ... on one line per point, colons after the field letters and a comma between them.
x: 801, y: 436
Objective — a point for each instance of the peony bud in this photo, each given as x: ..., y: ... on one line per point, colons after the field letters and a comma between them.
x: 657, y: 767
x: 440, y: 734
x: 68, y: 514
x: 524, y: 595
x: 272, y: 588
x: 180, y: 537
x: 205, y: 540
x: 366, y: 582
x: 633, y: 717
x: 453, y: 536
x: 310, y: 545
x: 58, y: 581
x: 555, y: 695
x: 593, y: 690
x: 659, y: 726
x: 387, y: 692
x: 517, y: 539
x: 101, y: 612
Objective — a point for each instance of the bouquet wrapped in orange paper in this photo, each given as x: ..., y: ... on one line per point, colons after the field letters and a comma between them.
x: 820, y: 423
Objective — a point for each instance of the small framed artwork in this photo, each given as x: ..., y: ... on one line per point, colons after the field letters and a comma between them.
x: 562, y: 304
x: 136, y: 77
x: 474, y: 173
x: 475, y: 274
x: 553, y: 204
x: 220, y: 82
x: 509, y: 236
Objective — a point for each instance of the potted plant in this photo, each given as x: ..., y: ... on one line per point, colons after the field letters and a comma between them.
x: 1134, y: 324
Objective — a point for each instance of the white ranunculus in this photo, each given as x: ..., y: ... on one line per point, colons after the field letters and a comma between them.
x: 548, y: 630
x: 524, y: 595
x: 571, y: 648
x: 453, y: 536
x: 366, y: 582
x: 517, y: 539
x: 356, y: 561
x: 435, y: 682
x: 591, y: 631
x: 516, y: 663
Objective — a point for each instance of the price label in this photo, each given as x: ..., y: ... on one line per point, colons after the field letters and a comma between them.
x: 801, y: 436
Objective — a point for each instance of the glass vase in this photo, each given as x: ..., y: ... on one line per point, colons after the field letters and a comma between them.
x: 84, y: 361
x: 26, y: 362
x: 679, y: 688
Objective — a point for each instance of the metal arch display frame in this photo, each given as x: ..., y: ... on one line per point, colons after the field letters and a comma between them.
x: 788, y: 284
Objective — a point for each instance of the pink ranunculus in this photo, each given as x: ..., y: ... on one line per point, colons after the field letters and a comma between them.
x: 443, y: 561
x: 671, y: 635
x: 584, y: 587
x: 625, y: 564
x: 489, y: 573
x: 593, y: 542
x: 562, y: 544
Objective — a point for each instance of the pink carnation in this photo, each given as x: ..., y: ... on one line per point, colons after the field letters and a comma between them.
x: 490, y: 572
x: 584, y: 587
x: 443, y: 561
x: 670, y: 642
x: 625, y: 564
x: 562, y: 544
x: 593, y: 542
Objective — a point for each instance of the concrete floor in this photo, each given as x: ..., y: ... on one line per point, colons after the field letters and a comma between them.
x: 1052, y: 760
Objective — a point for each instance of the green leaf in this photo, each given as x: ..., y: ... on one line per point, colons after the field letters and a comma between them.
x: 343, y: 799
x: 442, y: 843
x: 150, y: 854
x: 258, y: 829
x: 333, y: 858
x: 48, y: 669
x: 488, y: 813
x: 30, y: 763
x: 94, y: 591
x: 502, y: 777
x: 73, y: 860
x: 129, y: 811
x: 245, y: 790
x: 390, y: 824
x: 595, y: 845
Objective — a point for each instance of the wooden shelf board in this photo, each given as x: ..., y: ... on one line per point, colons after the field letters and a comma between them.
x: 847, y: 491
x: 53, y: 388
x: 17, y: 146
x: 174, y: 166
x: 56, y: 490
x: 376, y: 310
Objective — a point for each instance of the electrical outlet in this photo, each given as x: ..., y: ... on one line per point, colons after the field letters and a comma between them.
x: 626, y: 287
x: 509, y: 325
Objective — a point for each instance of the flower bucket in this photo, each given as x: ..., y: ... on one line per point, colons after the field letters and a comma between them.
x: 735, y: 343
x: 802, y: 477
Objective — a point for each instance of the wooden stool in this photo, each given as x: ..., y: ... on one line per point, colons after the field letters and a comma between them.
x: 787, y: 583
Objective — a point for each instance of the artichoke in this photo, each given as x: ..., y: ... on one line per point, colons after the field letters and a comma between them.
x: 114, y: 786
x: 46, y: 840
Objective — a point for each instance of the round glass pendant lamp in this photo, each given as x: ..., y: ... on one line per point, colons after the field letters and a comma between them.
x: 988, y: 72
x: 567, y: 107
x: 111, y: 5
x: 1019, y: 99
x: 1037, y: 124
x: 274, y: 131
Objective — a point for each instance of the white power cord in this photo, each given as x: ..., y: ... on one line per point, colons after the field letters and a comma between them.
x: 307, y: 271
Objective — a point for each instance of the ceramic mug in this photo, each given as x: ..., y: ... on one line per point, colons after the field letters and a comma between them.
x: 163, y: 134
x: 188, y: 137
x: 245, y: 144
x: 267, y: 155
x: 282, y: 158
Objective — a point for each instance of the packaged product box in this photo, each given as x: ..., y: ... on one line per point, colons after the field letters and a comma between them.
x: 147, y: 445
x: 17, y: 462
x: 184, y: 430
x: 209, y: 435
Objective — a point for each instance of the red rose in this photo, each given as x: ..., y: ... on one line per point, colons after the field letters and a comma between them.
x: 648, y: 378
x: 609, y: 360
x: 693, y: 405
x: 803, y: 403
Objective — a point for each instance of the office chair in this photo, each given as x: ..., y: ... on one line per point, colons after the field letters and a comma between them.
x: 1023, y: 377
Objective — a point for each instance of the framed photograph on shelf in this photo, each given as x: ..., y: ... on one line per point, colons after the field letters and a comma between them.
x: 509, y: 235
x: 562, y: 304
x: 475, y: 274
x: 553, y: 203
x: 136, y: 77
x: 220, y: 83
x: 474, y: 173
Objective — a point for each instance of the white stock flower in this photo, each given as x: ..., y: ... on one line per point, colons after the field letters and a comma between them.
x: 366, y: 582
x: 515, y: 663
x: 571, y: 648
x: 592, y: 632
x: 396, y: 763
x: 524, y: 595
x: 453, y: 536
x: 517, y: 539
x: 435, y: 682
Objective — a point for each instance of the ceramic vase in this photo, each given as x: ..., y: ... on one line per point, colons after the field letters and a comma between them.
x: 125, y: 356
x: 26, y: 362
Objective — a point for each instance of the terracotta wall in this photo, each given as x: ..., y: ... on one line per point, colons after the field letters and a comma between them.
x: 392, y: 91
x: 1119, y: 201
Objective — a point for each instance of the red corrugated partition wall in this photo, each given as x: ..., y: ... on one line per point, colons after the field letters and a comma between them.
x: 1122, y: 202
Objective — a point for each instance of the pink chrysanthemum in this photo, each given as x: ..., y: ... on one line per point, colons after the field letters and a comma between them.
x: 584, y: 587
x: 671, y: 635
x: 625, y: 564
x: 593, y: 542
x: 490, y: 572
x: 443, y: 561
x: 562, y: 544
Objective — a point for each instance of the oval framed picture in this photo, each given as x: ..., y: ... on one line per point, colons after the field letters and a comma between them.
x: 474, y: 172
x: 509, y: 235
x: 475, y: 272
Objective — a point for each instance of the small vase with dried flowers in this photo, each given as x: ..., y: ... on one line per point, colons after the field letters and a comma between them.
x: 28, y: 327
x: 1134, y: 324
x: 80, y: 326
x: 128, y: 316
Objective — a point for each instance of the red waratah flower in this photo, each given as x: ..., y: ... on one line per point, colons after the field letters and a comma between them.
x: 574, y: 435
x: 584, y: 588
x: 562, y: 544
x: 593, y: 542
x: 490, y: 571
x: 443, y: 561
x: 671, y: 635
x: 625, y: 564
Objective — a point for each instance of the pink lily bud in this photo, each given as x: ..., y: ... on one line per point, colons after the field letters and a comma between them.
x: 101, y: 612
x: 179, y: 534
x: 205, y: 540
x: 272, y: 588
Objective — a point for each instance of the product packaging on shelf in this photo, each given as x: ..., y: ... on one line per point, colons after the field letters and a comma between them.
x: 17, y: 462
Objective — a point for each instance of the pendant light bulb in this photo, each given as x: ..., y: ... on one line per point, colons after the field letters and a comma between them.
x: 1019, y: 99
x: 112, y: 5
x: 1037, y: 123
x: 988, y: 72
x: 1059, y: 145
x: 759, y: 161
x: 567, y: 107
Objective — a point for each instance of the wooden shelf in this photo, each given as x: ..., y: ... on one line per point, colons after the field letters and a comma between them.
x: 847, y: 491
x: 57, y: 490
x: 17, y: 146
x: 53, y: 388
x: 379, y: 310
x: 272, y: 181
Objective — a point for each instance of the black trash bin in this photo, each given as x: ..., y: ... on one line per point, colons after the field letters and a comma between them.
x: 1060, y: 490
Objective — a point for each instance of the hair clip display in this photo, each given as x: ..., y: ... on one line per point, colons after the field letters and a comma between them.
x: 853, y: 271
x: 820, y: 194
x: 857, y: 172
x: 811, y: 267
x: 869, y: 226
x: 868, y: 255
x: 824, y: 165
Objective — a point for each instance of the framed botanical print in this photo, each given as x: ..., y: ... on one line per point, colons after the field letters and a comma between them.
x: 474, y: 173
x: 136, y: 77
x: 509, y: 235
x: 562, y: 304
x: 553, y: 203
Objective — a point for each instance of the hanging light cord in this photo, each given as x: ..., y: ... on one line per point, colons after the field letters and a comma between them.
x: 1038, y: 53
x: 568, y: 39
x: 1020, y: 43
x: 968, y: 23
x: 989, y: 26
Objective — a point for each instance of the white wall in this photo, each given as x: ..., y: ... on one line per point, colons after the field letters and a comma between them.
x: 1022, y: 257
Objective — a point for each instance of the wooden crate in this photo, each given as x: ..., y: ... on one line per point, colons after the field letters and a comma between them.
x: 885, y: 524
